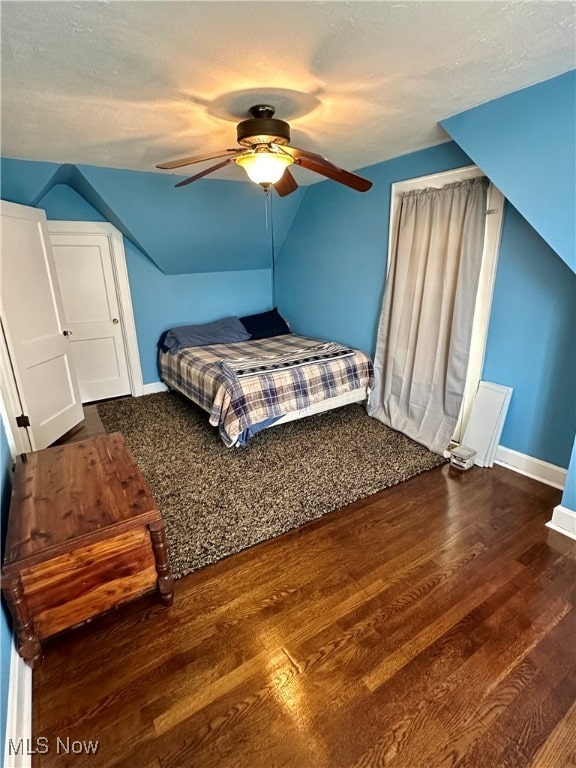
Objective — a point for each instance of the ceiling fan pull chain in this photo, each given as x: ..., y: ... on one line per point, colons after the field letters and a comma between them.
x: 270, y: 217
x: 267, y: 204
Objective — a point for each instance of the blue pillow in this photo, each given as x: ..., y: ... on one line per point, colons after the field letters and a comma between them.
x: 224, y: 331
x: 265, y: 324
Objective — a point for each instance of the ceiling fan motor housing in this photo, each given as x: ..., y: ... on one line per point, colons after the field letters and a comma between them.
x: 265, y: 156
x: 262, y: 128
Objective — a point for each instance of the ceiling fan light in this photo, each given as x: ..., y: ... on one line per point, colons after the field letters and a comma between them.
x: 264, y: 167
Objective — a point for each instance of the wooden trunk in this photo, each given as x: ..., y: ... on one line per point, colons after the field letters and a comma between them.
x: 84, y: 535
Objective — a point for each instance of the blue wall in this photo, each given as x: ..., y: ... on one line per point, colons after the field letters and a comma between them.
x: 164, y: 301
x: 22, y: 181
x: 331, y: 275
x: 526, y: 143
x: 63, y: 204
x: 531, y: 343
x: 5, y: 630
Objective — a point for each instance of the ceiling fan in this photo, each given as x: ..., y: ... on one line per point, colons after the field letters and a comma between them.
x: 265, y: 155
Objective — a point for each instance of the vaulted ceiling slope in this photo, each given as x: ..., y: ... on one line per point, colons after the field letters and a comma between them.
x: 127, y: 85
x: 526, y: 143
x: 213, y: 227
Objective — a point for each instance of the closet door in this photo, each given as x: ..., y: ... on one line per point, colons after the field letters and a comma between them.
x: 31, y: 312
x: 85, y: 275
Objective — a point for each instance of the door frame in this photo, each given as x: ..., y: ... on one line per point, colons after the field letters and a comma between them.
x: 483, y: 307
x: 122, y: 284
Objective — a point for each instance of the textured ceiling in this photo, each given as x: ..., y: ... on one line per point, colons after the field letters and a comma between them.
x: 130, y: 84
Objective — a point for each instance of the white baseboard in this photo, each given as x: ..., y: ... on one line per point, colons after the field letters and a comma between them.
x: 563, y: 521
x: 156, y: 386
x: 547, y: 473
x: 18, y: 714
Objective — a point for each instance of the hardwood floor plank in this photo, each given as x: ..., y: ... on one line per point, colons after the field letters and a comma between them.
x: 431, y: 678
x: 463, y: 704
x: 425, y: 627
x: 518, y: 732
x: 453, y: 600
x: 560, y: 747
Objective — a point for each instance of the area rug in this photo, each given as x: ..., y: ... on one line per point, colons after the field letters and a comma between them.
x: 217, y: 501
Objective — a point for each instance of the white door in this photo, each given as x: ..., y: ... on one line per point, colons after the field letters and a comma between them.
x: 92, y: 314
x: 31, y: 311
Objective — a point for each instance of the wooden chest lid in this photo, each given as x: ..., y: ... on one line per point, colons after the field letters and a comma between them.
x: 74, y: 494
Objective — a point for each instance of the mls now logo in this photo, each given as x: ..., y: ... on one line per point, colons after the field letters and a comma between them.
x: 42, y: 746
x: 39, y: 746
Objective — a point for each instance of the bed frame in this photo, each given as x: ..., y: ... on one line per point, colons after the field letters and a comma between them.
x: 355, y: 396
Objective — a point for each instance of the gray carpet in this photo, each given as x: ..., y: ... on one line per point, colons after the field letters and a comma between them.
x: 217, y: 501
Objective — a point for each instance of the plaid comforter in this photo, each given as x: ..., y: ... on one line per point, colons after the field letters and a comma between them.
x: 239, y: 405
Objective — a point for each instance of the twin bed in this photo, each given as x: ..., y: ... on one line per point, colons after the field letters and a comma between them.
x: 267, y: 377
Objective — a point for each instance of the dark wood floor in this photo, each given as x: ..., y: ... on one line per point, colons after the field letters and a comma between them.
x: 430, y: 626
x: 91, y: 426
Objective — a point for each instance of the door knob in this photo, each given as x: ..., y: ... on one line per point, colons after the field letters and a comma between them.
x: 115, y: 320
x: 67, y: 333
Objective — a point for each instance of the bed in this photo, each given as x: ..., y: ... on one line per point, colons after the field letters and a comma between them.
x: 249, y: 385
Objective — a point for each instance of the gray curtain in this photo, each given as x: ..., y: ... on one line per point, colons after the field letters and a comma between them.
x: 426, y: 322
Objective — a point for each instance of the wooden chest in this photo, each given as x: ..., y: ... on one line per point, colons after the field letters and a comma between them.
x: 84, y: 535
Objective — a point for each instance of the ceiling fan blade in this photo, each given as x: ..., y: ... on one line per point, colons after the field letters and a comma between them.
x: 319, y: 164
x: 205, y: 172
x: 286, y: 185
x: 199, y: 158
